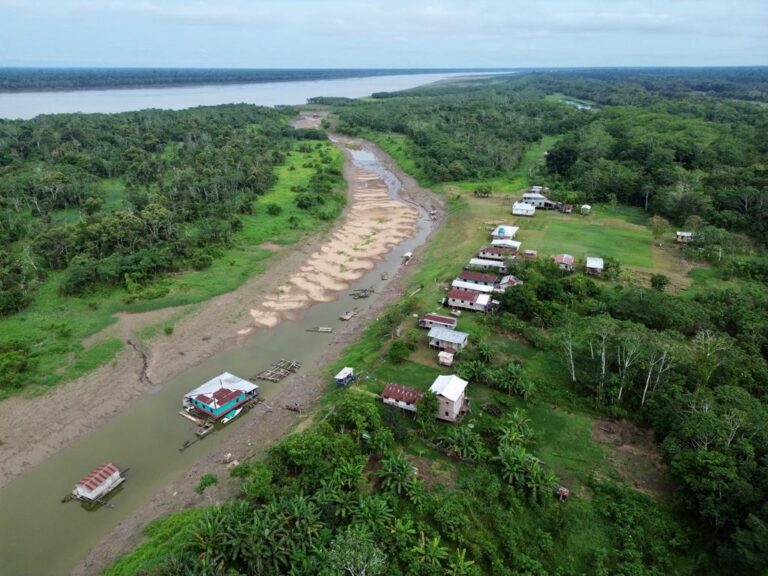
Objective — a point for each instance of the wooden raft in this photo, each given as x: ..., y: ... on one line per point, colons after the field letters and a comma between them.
x: 279, y: 370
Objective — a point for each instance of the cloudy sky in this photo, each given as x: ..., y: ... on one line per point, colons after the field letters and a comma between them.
x: 382, y: 34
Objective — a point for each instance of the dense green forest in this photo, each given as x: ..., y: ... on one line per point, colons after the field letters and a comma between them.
x: 371, y: 490
x: 91, y: 205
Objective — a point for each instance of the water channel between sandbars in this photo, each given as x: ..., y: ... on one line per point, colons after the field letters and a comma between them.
x: 40, y: 536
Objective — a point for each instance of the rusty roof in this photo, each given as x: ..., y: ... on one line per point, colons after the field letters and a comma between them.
x: 401, y: 393
x: 98, y: 476
x: 472, y: 276
x: 458, y: 294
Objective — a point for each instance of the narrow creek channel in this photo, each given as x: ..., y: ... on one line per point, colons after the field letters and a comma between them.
x: 39, y: 536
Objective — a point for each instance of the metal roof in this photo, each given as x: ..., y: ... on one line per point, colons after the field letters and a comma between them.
x: 472, y: 286
x: 446, y: 335
x: 472, y: 276
x: 594, y: 262
x: 442, y: 319
x: 505, y: 231
x: 504, y: 243
x: 220, y: 390
x: 401, y: 393
x: 486, y: 262
x: 98, y: 476
x: 451, y: 387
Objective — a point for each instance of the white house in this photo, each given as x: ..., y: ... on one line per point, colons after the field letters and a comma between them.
x: 511, y: 244
x: 586, y: 209
x: 432, y: 320
x: 469, y: 300
x: 450, y: 392
x: 535, y: 199
x: 497, y: 252
x: 472, y: 286
x: 595, y: 266
x: 504, y: 232
x: 485, y: 264
x: 523, y: 209
x: 450, y: 340
x: 564, y: 261
x: 401, y: 397
x: 445, y: 358
x: 684, y: 237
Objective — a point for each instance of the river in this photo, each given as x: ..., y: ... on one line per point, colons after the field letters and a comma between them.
x: 26, y: 105
x: 39, y: 536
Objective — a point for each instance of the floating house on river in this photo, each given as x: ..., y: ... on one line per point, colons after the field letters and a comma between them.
x: 100, y: 482
x: 221, y: 398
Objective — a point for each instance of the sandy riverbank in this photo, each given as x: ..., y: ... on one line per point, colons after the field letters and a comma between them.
x: 268, y: 424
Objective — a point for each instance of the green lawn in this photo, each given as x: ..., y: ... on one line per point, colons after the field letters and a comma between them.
x: 57, y: 341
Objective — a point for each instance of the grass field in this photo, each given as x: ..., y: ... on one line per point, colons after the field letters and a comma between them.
x: 57, y: 340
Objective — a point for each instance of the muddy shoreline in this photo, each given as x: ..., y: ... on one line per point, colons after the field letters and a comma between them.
x: 142, y: 366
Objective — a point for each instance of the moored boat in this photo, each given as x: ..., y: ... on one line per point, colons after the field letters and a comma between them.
x: 94, y: 487
x: 220, y: 399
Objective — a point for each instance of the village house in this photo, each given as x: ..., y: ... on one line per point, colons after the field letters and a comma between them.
x: 507, y: 282
x: 567, y: 208
x: 485, y: 265
x: 472, y: 287
x: 504, y: 232
x: 564, y: 261
x: 523, y: 209
x: 478, y: 278
x: 511, y: 244
x: 684, y: 237
x: 445, y: 358
x: 530, y: 254
x: 432, y: 320
x: 401, y: 397
x: 595, y: 266
x: 450, y: 392
x: 497, y: 252
x: 535, y: 199
x: 586, y: 209
x: 449, y: 340
x: 468, y: 300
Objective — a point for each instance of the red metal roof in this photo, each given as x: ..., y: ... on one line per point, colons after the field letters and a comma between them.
x: 401, y: 394
x: 98, y: 476
x: 458, y: 294
x: 221, y: 397
x: 563, y: 259
x: 472, y: 276
x: 441, y: 319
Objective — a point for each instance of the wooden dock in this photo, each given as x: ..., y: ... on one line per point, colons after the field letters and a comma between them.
x: 279, y: 370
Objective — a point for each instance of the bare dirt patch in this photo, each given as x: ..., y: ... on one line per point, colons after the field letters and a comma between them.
x: 635, y: 456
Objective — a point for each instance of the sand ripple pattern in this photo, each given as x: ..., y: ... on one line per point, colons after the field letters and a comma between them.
x: 374, y: 223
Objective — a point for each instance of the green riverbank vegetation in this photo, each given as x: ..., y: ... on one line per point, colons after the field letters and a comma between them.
x: 101, y: 214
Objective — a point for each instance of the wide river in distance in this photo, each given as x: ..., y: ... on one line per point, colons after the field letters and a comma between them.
x: 25, y: 105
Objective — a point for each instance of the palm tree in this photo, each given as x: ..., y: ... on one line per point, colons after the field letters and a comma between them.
x: 458, y: 565
x: 429, y: 551
x: 395, y: 470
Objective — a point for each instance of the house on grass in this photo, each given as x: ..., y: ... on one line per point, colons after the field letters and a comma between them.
x: 534, y: 198
x: 586, y: 209
x: 567, y: 208
x: 437, y: 320
x: 564, y: 261
x: 481, y: 278
x: 485, y: 265
x: 523, y: 209
x: 445, y: 358
x: 401, y: 397
x: 497, y: 252
x: 684, y: 237
x: 595, y: 266
x: 450, y: 392
x: 530, y: 254
x: 468, y: 300
x: 472, y: 287
x: 511, y: 244
x: 504, y: 232
x: 448, y: 340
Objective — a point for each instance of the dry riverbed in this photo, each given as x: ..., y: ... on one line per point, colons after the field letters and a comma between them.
x: 315, y: 270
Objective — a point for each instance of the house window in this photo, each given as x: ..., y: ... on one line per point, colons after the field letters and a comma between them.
x: 446, y: 412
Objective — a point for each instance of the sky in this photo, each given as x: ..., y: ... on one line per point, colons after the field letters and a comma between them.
x: 383, y: 34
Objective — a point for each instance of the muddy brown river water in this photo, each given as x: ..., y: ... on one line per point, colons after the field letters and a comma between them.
x: 39, y: 536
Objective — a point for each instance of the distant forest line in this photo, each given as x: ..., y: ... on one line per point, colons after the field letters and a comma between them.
x: 44, y: 79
